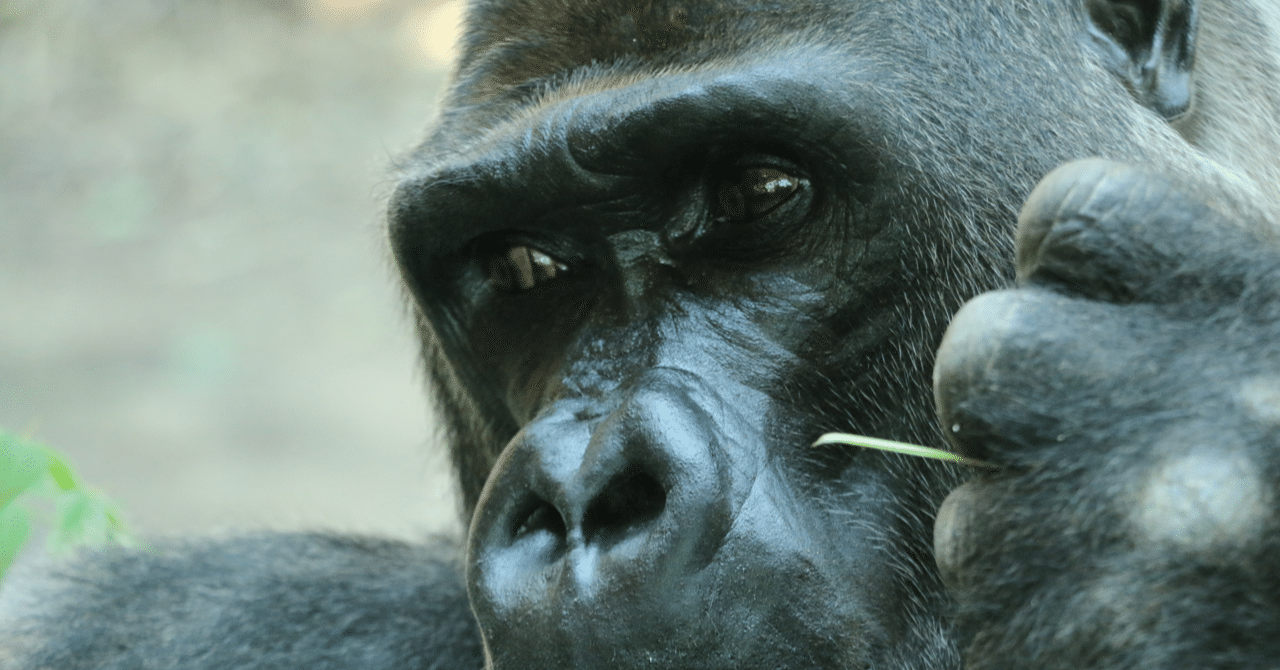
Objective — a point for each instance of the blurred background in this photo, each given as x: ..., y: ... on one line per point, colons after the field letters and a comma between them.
x: 197, y: 304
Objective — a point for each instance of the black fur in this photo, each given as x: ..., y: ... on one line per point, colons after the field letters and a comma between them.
x: 257, y: 602
x: 633, y: 350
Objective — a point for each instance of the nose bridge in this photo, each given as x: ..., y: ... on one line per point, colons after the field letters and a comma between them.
x: 661, y: 426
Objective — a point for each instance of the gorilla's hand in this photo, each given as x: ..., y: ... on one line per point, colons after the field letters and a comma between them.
x: 1130, y: 388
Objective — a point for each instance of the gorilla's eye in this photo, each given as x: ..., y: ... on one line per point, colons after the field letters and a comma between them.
x: 520, y: 267
x: 752, y: 192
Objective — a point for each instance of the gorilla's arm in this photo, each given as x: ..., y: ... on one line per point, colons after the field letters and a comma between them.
x: 310, y: 600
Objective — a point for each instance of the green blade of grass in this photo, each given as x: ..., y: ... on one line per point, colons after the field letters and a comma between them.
x: 900, y: 448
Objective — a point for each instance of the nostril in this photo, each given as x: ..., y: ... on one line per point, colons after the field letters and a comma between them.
x: 630, y: 500
x: 540, y: 517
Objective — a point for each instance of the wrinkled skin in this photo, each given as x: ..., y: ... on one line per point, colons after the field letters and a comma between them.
x: 658, y: 248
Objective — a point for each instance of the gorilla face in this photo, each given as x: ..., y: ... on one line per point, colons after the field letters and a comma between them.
x: 660, y: 247
x: 656, y: 248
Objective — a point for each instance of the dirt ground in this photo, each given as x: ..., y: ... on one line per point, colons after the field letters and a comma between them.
x: 196, y: 300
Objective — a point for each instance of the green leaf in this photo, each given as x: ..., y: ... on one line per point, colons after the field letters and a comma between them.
x: 15, y: 529
x: 84, y: 518
x: 21, y: 467
x: 60, y: 471
x: 900, y: 448
x: 31, y: 473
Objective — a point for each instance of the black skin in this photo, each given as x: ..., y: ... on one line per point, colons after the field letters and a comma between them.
x: 658, y: 248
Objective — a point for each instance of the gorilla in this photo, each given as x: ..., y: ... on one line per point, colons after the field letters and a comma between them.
x: 657, y: 247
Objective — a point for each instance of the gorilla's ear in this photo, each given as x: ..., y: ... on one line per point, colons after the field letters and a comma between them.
x: 1151, y: 46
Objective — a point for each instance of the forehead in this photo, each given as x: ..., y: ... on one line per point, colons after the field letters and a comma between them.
x: 941, y: 80
x: 513, y: 42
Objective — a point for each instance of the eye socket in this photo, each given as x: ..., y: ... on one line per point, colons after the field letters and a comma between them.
x: 519, y: 267
x: 753, y: 191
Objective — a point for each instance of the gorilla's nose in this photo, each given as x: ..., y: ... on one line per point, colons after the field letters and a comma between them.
x: 585, y: 509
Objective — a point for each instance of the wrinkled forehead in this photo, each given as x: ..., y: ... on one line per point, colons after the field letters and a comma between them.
x: 907, y: 72
x: 582, y: 31
x: 510, y: 43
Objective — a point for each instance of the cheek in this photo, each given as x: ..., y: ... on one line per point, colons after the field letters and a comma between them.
x: 821, y: 572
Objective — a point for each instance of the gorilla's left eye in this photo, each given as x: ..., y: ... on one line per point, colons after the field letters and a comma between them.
x: 520, y: 267
x: 752, y: 192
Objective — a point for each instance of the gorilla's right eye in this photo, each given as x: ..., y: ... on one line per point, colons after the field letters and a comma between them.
x: 753, y: 191
x: 520, y: 267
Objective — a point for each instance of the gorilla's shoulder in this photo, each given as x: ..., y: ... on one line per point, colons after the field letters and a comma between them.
x: 303, y: 600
